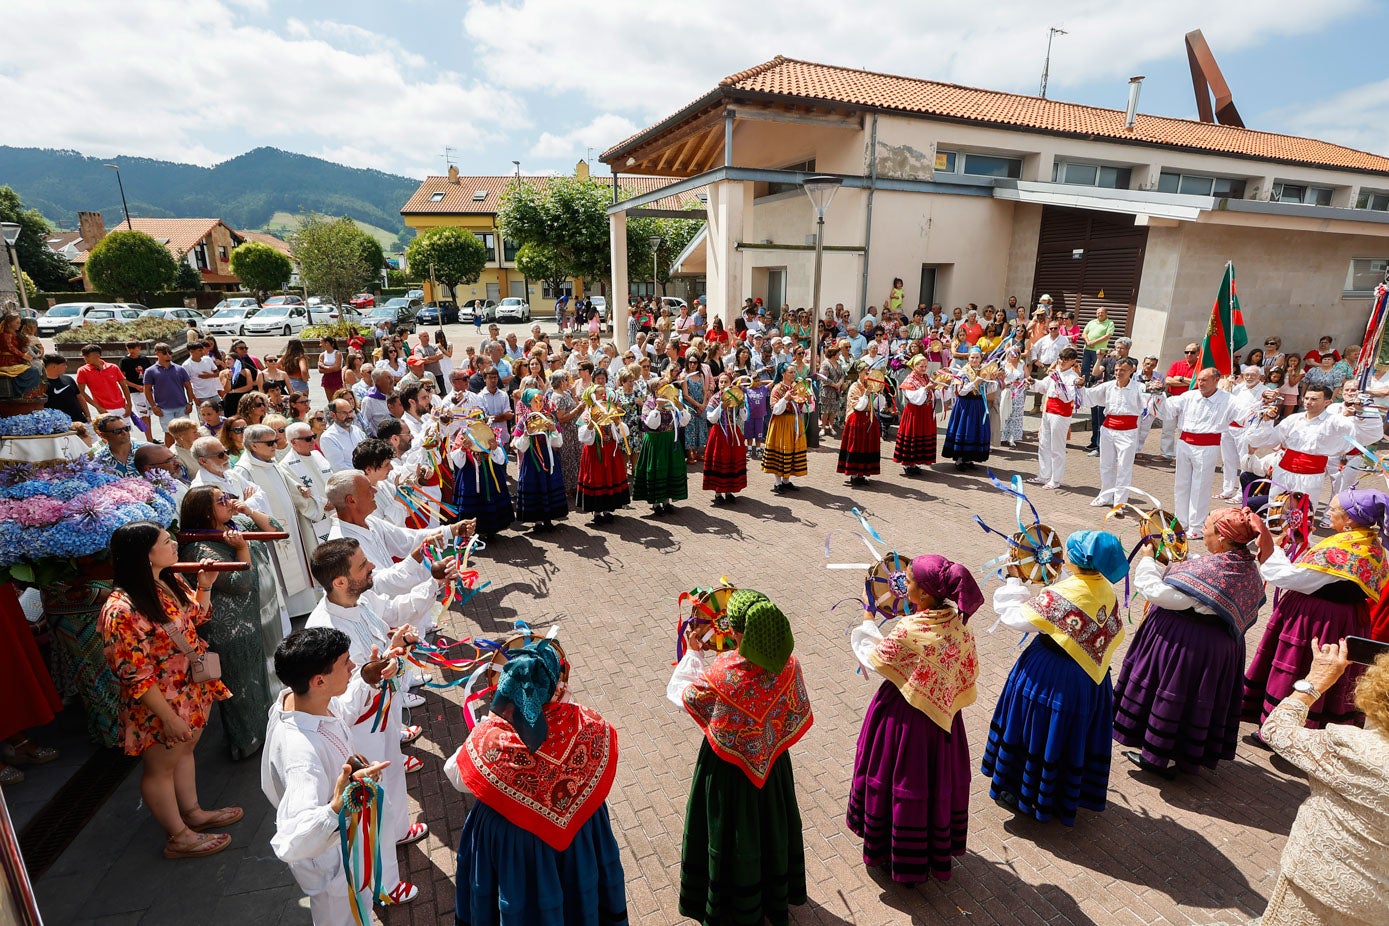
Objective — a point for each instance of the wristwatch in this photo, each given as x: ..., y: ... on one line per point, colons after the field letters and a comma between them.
x: 1305, y: 687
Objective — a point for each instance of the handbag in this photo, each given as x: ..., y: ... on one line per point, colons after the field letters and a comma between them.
x: 202, y: 668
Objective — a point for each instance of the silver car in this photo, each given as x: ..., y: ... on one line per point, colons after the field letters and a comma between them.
x: 229, y: 322
x: 67, y: 315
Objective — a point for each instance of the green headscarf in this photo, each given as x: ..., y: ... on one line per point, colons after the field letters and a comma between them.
x: 738, y: 604
x: 767, y: 637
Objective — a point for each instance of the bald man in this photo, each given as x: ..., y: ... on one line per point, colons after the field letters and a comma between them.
x: 1201, y: 418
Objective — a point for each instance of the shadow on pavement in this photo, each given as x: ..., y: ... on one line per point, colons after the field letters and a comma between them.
x: 1242, y: 792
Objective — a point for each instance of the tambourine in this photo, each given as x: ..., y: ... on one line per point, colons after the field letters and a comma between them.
x: 733, y: 397
x: 877, y: 381
x: 539, y: 423
x: 1167, y: 534
x: 885, y: 586
x: 481, y: 435
x: 1035, y: 554
x: 708, y: 617
x: 934, y: 346
x: 668, y: 393
x: 1289, y: 517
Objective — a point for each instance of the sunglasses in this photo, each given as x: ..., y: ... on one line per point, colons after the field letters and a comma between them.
x: 221, y: 455
x: 297, y: 439
x: 265, y: 443
x: 258, y: 405
x: 319, y: 419
x: 124, y: 430
x: 241, y: 430
x: 1191, y: 352
x: 225, y: 499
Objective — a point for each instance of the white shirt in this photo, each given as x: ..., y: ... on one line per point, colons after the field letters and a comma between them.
x: 382, y: 543
x: 1061, y: 385
x: 1147, y: 581
x: 1197, y: 413
x: 1279, y: 571
x: 1115, y: 400
x: 1047, y: 350
x: 337, y: 444
x: 491, y: 403
x: 1325, y: 435
x: 202, y: 388
x: 279, y: 498
x: 233, y: 483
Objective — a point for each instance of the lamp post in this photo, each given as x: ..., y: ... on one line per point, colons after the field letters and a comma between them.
x: 122, y: 189
x: 11, y: 231
x: 655, y: 242
x: 821, y: 191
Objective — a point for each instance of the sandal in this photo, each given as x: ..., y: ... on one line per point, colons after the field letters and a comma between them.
x: 205, y: 845
x: 410, y: 733
x: 413, y: 764
x: 404, y: 892
x: 413, y: 835
x: 9, y: 775
x: 225, y: 816
x: 27, y: 752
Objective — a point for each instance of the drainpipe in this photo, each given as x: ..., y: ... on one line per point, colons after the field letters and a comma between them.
x: 868, y: 227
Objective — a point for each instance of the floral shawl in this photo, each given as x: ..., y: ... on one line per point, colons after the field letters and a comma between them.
x: 750, y: 716
x: 1355, y: 555
x: 1080, y: 614
x: 931, y: 659
x: 553, y: 791
x: 1228, y: 583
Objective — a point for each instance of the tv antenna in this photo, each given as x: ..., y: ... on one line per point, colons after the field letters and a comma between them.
x: 1052, y: 33
x: 448, y: 155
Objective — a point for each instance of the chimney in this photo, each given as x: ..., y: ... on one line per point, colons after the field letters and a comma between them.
x: 1131, y: 114
x: 581, y: 170
x: 453, y: 174
x: 92, y: 227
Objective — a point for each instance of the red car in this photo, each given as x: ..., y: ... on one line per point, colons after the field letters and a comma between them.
x: 363, y: 301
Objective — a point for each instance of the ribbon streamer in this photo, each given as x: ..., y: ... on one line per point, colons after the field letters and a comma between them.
x: 359, y: 823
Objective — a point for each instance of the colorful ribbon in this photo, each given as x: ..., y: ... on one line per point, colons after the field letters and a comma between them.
x: 359, y: 823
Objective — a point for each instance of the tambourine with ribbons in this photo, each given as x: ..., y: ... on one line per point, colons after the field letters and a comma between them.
x: 482, y: 683
x: 1156, y: 525
x: 1034, y: 550
x: 707, y: 616
x: 885, y: 578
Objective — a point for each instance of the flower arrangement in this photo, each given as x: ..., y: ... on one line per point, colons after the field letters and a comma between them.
x: 42, y: 422
x: 51, y: 514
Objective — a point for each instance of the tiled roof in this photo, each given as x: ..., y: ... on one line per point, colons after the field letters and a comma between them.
x: 278, y: 244
x: 60, y: 240
x: 458, y: 197
x: 175, y: 234
x: 786, y: 77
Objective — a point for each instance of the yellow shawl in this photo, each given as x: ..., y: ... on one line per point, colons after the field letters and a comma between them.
x: 1355, y: 554
x: 930, y: 657
x: 1079, y: 613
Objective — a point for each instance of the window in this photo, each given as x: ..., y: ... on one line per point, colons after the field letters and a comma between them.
x: 1301, y: 193
x: 221, y: 253
x: 436, y: 197
x: 1196, y: 185
x: 805, y: 167
x: 1374, y: 200
x: 945, y: 161
x: 548, y: 292
x: 479, y: 195
x: 509, y: 249
x: 489, y: 241
x: 1363, y: 275
x: 200, y: 256
x: 1114, y: 178
x: 989, y: 165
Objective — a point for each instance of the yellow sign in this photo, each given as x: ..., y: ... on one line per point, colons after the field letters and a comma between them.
x: 1099, y: 295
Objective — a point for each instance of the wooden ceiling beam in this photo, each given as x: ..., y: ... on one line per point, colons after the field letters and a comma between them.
x: 648, y: 158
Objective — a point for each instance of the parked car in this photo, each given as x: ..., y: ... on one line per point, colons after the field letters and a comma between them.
x: 238, y: 302
x: 362, y: 301
x: 439, y: 312
x: 601, y: 304
x: 399, y: 316
x: 283, y: 300
x: 283, y: 320
x: 68, y: 314
x: 514, y: 308
x: 486, y: 308
x: 229, y: 322
x: 111, y: 313
x: 180, y: 315
x: 322, y: 312
x: 415, y: 294
x: 674, y: 303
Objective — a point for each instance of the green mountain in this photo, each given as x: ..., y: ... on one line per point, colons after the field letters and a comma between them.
x: 246, y: 191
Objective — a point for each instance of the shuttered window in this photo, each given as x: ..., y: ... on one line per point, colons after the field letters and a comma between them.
x: 1090, y: 259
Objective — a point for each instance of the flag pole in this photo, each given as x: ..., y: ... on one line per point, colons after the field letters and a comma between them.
x: 1230, y: 269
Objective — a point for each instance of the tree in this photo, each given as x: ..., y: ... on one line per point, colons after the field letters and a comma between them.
x: 131, y: 263
x: 569, y: 216
x: 372, y: 255
x: 675, y: 234
x: 187, y: 279
x: 332, y: 257
x: 540, y: 262
x: 259, y: 267
x: 450, y: 255
x: 50, y: 271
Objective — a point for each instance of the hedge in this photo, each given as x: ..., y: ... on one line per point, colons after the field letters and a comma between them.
x: 145, y: 329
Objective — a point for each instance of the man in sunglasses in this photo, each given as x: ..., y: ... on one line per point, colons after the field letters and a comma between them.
x: 214, y: 469
x: 258, y: 466
x: 150, y: 457
x: 1179, y: 377
x: 115, y: 453
x: 308, y: 470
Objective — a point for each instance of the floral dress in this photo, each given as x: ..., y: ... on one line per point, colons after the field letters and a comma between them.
x: 829, y: 399
x: 632, y: 404
x: 143, y: 655
x: 697, y: 431
x: 571, y: 450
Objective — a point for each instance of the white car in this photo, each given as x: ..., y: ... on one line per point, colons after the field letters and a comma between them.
x: 323, y: 312
x: 66, y: 315
x: 601, y: 304
x: 415, y: 294
x: 229, y: 321
x: 240, y: 302
x: 110, y: 313
x: 515, y: 308
x: 283, y: 320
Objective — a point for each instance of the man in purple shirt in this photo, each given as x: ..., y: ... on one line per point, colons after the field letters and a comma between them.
x: 168, y: 390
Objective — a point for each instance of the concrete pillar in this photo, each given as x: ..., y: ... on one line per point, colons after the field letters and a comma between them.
x: 617, y: 299
x: 727, y: 211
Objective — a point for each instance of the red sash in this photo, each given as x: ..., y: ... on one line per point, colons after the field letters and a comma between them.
x: 1121, y: 422
x: 1057, y: 407
x: 1197, y: 439
x: 1303, y: 464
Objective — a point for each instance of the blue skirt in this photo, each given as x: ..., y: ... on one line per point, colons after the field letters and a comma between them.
x: 508, y: 876
x: 1049, y: 740
x: 967, y: 434
x: 540, y: 495
x: 483, y: 495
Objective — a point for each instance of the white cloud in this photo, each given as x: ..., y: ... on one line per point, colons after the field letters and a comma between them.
x: 598, y: 134
x: 1357, y: 118
x: 194, y: 82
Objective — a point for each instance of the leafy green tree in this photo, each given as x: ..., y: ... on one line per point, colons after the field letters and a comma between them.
x: 539, y: 262
x: 27, y: 282
x: 50, y: 271
x: 675, y: 234
x: 451, y: 255
x: 131, y: 263
x: 568, y: 215
x: 259, y: 267
x: 187, y: 279
x: 372, y: 255
x: 331, y: 256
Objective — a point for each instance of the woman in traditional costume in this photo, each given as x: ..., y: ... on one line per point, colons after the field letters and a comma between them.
x: 540, y: 494
x: 726, y: 453
x: 743, y: 857
x: 967, y: 432
x: 603, y: 485
x: 537, y: 847
x: 660, y: 473
x: 909, y: 800
x: 784, y: 456
x: 916, y: 432
x: 480, y: 490
x: 860, y: 452
x: 1177, y: 701
x: 1327, y: 593
x: 1049, y: 741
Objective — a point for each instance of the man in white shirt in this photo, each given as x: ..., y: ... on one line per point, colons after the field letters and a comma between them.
x: 341, y: 437
x: 202, y: 372
x: 496, y: 406
x: 214, y: 469
x: 1246, y: 395
x: 1201, y: 416
x: 307, y: 469
x: 1122, y: 400
x: 1060, y: 388
x: 258, y: 466
x: 414, y: 400
x: 304, y: 769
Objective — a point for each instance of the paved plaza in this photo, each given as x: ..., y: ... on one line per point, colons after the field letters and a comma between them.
x: 1201, y: 849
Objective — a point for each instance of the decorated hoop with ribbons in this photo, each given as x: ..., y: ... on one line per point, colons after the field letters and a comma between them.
x: 1289, y: 517
x: 1034, y: 550
x: 1155, y: 524
x: 480, y: 434
x: 708, y: 616
x: 885, y: 586
x: 482, y: 684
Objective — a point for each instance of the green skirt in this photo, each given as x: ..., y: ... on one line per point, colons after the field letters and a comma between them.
x: 743, y: 856
x: 660, y: 471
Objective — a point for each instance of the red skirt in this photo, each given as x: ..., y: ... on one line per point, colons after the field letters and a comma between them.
x: 602, y: 477
x: 916, y: 436
x: 861, y: 449
x: 725, y: 460
x: 26, y: 690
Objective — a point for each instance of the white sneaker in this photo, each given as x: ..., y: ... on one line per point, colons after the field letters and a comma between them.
x: 418, y: 678
x: 412, y: 700
x: 1098, y: 503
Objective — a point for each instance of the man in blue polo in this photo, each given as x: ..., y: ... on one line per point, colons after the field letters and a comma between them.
x: 168, y: 390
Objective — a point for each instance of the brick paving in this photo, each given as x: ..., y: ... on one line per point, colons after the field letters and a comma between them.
x: 1201, y: 849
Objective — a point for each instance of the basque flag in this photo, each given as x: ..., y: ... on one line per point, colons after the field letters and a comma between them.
x: 1225, y: 334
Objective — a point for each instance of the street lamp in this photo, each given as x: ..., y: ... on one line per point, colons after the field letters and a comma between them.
x: 122, y: 189
x: 821, y: 191
x: 11, y: 232
x: 655, y: 242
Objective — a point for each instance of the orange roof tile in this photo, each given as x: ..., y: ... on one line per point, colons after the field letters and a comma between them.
x: 804, y: 80
x: 176, y: 234
x: 458, y: 197
x: 278, y: 244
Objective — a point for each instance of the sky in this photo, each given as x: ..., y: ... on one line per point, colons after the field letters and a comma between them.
x: 399, y: 86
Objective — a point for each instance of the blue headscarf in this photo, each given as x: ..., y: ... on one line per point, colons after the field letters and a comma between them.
x: 780, y: 369
x: 1098, y: 550
x: 528, y: 681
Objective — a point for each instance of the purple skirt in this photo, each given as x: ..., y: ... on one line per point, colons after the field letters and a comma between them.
x: 909, y: 800
x: 1285, y: 654
x: 1178, y: 694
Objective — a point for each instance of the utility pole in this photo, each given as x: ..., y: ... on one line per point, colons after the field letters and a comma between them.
x: 1052, y: 33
